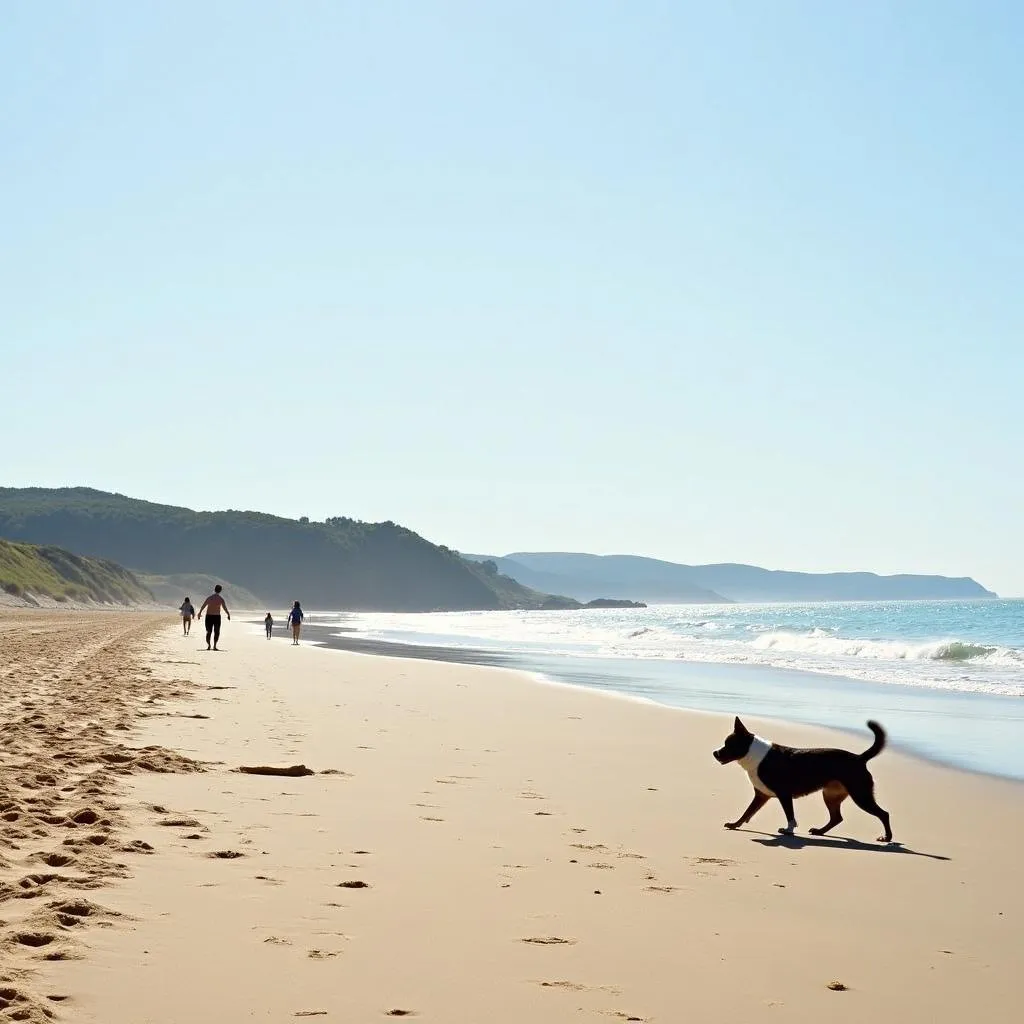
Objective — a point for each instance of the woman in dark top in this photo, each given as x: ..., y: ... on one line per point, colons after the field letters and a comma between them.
x: 295, y: 618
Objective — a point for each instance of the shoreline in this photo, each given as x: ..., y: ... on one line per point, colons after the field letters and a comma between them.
x: 798, y: 697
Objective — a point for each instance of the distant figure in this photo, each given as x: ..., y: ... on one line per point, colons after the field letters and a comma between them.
x: 269, y: 623
x: 187, y: 614
x: 215, y: 604
x: 295, y: 618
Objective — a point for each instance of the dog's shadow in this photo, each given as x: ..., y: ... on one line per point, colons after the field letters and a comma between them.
x: 795, y: 842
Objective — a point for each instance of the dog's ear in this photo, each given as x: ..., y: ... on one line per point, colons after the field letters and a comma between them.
x: 740, y: 727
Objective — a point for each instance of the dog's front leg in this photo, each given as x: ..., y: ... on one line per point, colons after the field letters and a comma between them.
x: 760, y: 799
x: 787, y: 808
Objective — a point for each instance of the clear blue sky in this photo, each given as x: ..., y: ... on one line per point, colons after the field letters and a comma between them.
x: 708, y: 281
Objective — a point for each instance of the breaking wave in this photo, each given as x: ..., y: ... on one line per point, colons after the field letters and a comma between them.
x: 821, y: 643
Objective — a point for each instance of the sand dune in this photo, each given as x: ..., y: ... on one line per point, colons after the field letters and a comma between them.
x: 471, y: 846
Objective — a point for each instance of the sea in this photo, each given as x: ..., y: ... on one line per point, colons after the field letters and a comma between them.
x: 946, y: 678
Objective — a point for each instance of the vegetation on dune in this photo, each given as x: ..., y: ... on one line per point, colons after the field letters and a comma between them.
x: 28, y: 571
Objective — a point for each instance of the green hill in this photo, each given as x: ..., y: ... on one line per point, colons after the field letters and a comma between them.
x: 29, y: 572
x: 340, y: 563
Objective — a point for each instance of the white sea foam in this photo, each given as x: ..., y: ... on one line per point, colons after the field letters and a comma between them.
x: 819, y: 642
x: 967, y: 646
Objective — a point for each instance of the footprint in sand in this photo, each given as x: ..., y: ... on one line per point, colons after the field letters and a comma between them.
x: 588, y: 846
x: 424, y: 817
x: 574, y: 986
x: 56, y: 860
x: 34, y: 939
x: 549, y: 940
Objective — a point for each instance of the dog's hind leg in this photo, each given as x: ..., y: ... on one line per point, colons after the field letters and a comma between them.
x: 834, y: 794
x: 863, y: 795
x: 760, y: 799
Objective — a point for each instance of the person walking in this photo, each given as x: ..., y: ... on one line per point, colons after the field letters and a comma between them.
x: 295, y: 618
x: 187, y: 615
x: 214, y: 605
x: 268, y: 622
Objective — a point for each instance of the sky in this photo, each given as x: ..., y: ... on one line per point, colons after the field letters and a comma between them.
x: 700, y: 281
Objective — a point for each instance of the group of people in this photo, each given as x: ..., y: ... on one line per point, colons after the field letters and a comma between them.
x: 295, y: 617
x: 215, y: 604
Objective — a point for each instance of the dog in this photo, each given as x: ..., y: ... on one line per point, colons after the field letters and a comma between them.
x: 790, y: 772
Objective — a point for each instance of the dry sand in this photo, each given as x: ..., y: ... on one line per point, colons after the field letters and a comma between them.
x: 474, y: 847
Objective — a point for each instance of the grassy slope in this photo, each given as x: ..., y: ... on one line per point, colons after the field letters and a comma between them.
x: 30, y: 571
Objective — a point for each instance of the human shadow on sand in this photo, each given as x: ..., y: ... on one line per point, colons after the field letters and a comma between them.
x: 796, y: 842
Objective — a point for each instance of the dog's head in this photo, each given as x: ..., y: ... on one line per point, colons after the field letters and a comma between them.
x: 736, y: 745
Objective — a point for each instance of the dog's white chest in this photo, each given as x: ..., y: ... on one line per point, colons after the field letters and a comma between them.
x: 751, y: 761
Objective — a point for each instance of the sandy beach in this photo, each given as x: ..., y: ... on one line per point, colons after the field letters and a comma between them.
x: 473, y: 846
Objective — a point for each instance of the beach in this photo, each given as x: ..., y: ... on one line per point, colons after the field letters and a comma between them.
x: 474, y: 845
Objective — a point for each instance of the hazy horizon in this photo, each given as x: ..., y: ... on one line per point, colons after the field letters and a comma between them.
x: 696, y: 282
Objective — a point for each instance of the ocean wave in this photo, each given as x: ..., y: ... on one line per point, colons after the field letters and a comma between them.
x: 940, y: 647
x: 821, y: 643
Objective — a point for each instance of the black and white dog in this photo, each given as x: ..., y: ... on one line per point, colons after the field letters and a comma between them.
x: 790, y: 772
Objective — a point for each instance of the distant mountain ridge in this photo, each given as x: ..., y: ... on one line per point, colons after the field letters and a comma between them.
x: 655, y: 581
x: 586, y: 582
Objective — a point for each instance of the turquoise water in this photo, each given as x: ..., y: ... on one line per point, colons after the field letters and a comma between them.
x: 973, y: 646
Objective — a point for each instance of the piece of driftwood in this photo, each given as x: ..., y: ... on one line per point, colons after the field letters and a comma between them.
x: 296, y: 771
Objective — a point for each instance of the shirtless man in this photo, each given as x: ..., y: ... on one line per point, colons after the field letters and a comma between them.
x: 214, y: 605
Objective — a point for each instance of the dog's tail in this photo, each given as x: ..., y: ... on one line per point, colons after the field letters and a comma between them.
x: 878, y: 746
